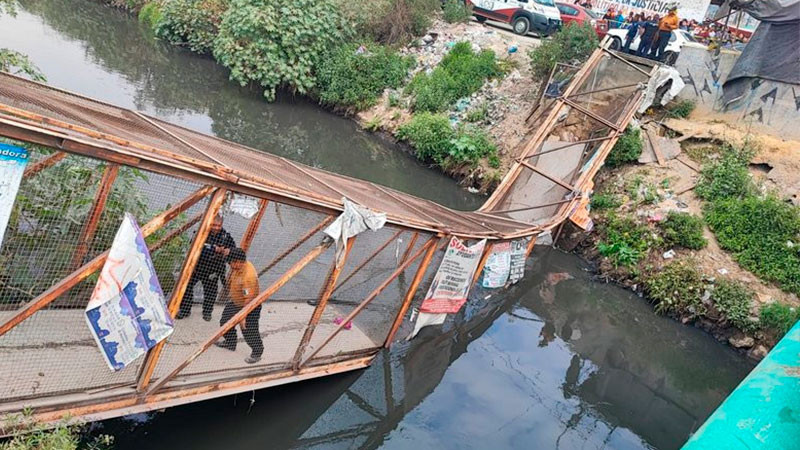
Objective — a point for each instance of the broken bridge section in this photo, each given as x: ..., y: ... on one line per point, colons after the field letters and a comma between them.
x: 94, y: 161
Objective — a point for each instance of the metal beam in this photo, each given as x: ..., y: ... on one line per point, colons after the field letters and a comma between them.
x: 548, y: 176
x: 98, y: 205
x: 44, y: 163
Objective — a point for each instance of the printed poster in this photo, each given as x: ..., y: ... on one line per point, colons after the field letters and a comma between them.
x: 12, y: 166
x: 450, y: 287
x: 127, y: 313
x: 517, y: 267
x: 498, y: 266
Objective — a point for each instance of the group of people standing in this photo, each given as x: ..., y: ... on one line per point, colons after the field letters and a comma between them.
x: 655, y: 33
x: 240, y: 286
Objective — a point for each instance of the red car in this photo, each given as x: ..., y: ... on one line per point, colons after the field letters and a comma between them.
x: 580, y: 15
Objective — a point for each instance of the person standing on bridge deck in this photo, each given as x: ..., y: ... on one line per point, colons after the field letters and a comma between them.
x: 665, y: 27
x: 210, y: 270
x: 242, y: 287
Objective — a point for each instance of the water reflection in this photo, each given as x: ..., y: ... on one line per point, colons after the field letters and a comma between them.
x: 557, y: 361
x: 95, y: 50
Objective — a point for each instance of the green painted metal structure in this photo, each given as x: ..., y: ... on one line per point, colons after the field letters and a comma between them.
x: 764, y: 410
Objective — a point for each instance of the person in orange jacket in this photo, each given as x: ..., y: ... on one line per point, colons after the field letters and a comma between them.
x: 665, y: 27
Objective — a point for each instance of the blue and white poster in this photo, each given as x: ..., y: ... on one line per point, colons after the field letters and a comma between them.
x: 12, y: 165
x: 127, y: 313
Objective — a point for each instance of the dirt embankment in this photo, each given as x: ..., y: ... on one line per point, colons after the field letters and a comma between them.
x: 670, y: 187
x: 506, y: 100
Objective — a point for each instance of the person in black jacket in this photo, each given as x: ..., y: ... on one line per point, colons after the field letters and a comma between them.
x: 210, y: 270
x: 646, y: 41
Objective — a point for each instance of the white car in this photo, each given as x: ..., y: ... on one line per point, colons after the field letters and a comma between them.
x: 678, y: 39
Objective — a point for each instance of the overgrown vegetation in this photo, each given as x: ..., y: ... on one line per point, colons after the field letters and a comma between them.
x: 728, y: 177
x: 62, y: 436
x: 734, y: 300
x: 676, y: 288
x: 571, y: 45
x: 684, y: 230
x: 627, y: 149
x: 193, y: 23
x: 624, y: 240
x: 605, y: 200
x: 355, y: 75
x: 436, y: 140
x: 460, y: 73
x: 680, y: 108
x: 456, y: 11
x: 278, y: 43
x: 150, y: 15
x: 389, y: 21
x: 778, y: 317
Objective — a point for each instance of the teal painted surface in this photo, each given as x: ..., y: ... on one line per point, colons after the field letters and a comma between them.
x: 764, y: 410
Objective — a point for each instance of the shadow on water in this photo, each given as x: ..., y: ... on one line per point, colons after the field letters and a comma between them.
x: 94, y: 50
x: 557, y: 361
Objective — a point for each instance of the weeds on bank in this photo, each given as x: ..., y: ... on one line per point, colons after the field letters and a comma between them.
x: 676, y: 288
x: 456, y: 11
x: 734, y: 300
x: 778, y: 317
x: 571, y: 45
x: 680, y: 109
x: 627, y: 149
x: 604, y: 200
x: 435, y: 139
x: 625, y: 241
x: 61, y: 436
x: 684, y: 230
x: 460, y: 73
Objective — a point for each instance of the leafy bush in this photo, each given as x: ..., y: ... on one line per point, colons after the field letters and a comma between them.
x: 625, y: 241
x: 389, y: 21
x: 150, y: 14
x: 680, y: 109
x: 627, y: 149
x: 456, y: 11
x: 762, y: 234
x: 193, y: 23
x: 677, y: 287
x: 778, y: 317
x: 604, y: 200
x: 727, y: 177
x: 354, y: 76
x: 460, y: 73
x: 734, y: 300
x: 435, y: 139
x: 278, y: 42
x: 572, y: 45
x: 683, y: 229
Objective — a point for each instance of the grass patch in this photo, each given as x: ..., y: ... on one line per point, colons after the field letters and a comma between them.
x: 477, y: 114
x: 680, y: 109
x: 678, y: 288
x: 435, y: 139
x: 572, y: 45
x: 461, y: 72
x: 456, y: 11
x: 627, y: 149
x: 778, y: 318
x: 684, y: 230
x: 605, y: 200
x: 728, y: 177
x: 734, y: 300
x: 354, y: 76
x: 625, y: 241
x: 150, y: 14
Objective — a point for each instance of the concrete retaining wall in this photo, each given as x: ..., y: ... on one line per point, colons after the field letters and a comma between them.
x: 769, y: 107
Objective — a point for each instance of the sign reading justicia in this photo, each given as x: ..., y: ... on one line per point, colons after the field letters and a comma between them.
x: 687, y: 9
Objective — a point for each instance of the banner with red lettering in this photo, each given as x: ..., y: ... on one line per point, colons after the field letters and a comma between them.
x: 687, y: 9
x: 450, y: 286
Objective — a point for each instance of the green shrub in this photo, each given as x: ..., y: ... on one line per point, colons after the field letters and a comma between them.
x: 193, y: 23
x: 677, y: 287
x: 150, y: 15
x: 572, y: 45
x: 762, y: 234
x: 436, y: 140
x: 460, y: 73
x: 680, y: 109
x: 627, y: 149
x: 456, y: 11
x: 683, y: 229
x: 727, y: 177
x: 778, y: 318
x: 734, y: 300
x: 353, y: 76
x: 605, y: 200
x: 477, y: 114
x: 389, y: 21
x: 624, y: 241
x: 278, y: 42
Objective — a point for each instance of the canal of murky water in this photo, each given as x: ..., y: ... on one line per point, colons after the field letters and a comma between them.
x: 557, y: 361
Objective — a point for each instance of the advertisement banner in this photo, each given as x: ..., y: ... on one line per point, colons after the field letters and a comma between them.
x: 127, y: 313
x: 517, y: 266
x: 687, y: 9
x: 498, y: 266
x: 450, y: 286
x: 12, y: 165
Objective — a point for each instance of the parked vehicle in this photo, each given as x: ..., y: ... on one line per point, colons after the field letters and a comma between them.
x: 678, y: 40
x: 540, y: 16
x: 578, y: 14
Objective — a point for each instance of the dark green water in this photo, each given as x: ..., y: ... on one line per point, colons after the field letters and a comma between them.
x: 557, y: 361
